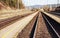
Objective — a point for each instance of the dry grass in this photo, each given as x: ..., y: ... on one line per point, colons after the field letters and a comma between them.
x: 11, y: 13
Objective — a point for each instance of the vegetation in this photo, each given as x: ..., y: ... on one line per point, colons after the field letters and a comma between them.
x: 57, y: 9
x: 46, y: 8
x: 13, y: 3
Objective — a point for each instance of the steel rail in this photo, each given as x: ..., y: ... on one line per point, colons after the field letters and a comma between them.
x: 57, y: 19
x: 52, y: 27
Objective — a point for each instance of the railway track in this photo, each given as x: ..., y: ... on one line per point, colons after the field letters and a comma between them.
x: 29, y: 29
x: 38, y: 26
x: 55, y: 13
x: 4, y: 23
x: 12, y: 30
x: 53, y: 26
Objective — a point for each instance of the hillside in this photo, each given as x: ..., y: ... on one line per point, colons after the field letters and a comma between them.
x: 10, y: 4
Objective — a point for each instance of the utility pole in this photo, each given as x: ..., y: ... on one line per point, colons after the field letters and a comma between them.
x: 57, y: 3
x: 18, y: 4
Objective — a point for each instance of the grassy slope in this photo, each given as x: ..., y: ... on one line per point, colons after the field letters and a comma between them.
x: 10, y: 4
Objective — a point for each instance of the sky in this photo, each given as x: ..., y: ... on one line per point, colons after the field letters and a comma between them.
x: 39, y: 2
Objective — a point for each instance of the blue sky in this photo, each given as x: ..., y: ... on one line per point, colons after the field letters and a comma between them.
x: 38, y: 2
